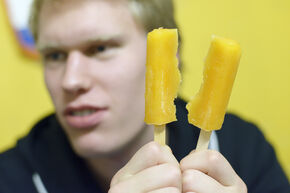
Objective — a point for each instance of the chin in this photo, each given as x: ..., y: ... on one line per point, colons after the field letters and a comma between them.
x: 101, y: 142
x: 94, y: 147
x: 89, y: 143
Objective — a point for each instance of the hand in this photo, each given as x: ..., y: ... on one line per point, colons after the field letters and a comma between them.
x: 207, y: 172
x: 153, y: 169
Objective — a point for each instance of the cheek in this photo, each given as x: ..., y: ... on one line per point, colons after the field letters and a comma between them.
x: 128, y: 79
x: 129, y: 71
x: 48, y: 81
x: 53, y: 83
x: 129, y: 93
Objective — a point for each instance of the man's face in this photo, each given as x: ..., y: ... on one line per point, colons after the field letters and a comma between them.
x: 94, y: 63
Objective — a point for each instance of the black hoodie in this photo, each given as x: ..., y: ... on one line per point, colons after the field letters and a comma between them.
x: 43, y: 161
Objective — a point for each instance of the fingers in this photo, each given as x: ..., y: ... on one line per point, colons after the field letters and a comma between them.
x: 154, y: 169
x: 211, y: 163
x: 166, y: 190
x: 160, y: 176
x: 153, y: 178
x: 196, y: 181
x: 149, y: 155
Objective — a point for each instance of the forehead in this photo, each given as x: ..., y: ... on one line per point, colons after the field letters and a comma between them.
x: 70, y: 21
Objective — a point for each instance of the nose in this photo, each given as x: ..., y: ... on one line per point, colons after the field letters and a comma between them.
x: 75, y: 78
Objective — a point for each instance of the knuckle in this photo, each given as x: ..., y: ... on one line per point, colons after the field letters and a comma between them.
x: 182, y: 165
x: 172, y: 190
x: 189, y: 176
x: 167, y: 190
x: 173, y: 172
x: 113, y: 181
x: 153, y: 150
x: 214, y: 157
x: 242, y: 186
x: 238, y: 186
x: 118, y: 188
x: 114, y: 189
x: 172, y: 175
x: 117, y: 177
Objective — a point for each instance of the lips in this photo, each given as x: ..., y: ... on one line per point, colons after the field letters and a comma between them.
x: 84, y: 117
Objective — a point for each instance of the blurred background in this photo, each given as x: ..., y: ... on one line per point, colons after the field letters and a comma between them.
x: 261, y: 93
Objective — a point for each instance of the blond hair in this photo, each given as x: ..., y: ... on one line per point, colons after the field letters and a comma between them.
x: 151, y: 14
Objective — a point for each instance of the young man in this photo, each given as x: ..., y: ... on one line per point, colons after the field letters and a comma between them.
x: 94, y: 54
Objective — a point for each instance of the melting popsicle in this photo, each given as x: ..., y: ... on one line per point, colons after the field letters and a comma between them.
x: 207, y: 109
x: 162, y: 80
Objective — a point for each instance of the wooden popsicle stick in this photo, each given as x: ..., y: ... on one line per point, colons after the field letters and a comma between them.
x: 160, y: 134
x: 203, y: 140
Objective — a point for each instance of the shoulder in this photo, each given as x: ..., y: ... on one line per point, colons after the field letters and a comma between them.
x: 15, y: 167
x: 239, y: 131
x: 251, y: 155
x: 242, y: 136
x: 40, y: 134
x: 10, y: 162
x: 15, y: 172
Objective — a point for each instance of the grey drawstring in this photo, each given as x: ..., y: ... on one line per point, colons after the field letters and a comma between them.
x: 38, y: 183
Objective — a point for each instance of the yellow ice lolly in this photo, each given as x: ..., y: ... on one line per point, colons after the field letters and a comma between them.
x: 207, y: 109
x: 162, y: 78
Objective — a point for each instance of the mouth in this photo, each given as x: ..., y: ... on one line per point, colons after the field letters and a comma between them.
x: 82, y: 113
x: 84, y: 117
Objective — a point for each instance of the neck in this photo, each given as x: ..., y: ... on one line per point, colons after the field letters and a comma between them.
x: 106, y: 167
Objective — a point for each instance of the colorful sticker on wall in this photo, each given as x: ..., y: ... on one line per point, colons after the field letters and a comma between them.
x: 18, y: 14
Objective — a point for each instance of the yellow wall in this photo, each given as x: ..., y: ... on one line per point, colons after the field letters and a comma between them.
x: 261, y: 92
x: 23, y: 98
x: 262, y: 89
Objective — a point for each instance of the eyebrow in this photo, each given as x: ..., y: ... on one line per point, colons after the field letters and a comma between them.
x: 43, y: 47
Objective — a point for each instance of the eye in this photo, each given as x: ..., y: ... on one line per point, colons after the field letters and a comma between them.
x: 96, y: 50
x: 101, y: 48
x: 56, y: 56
